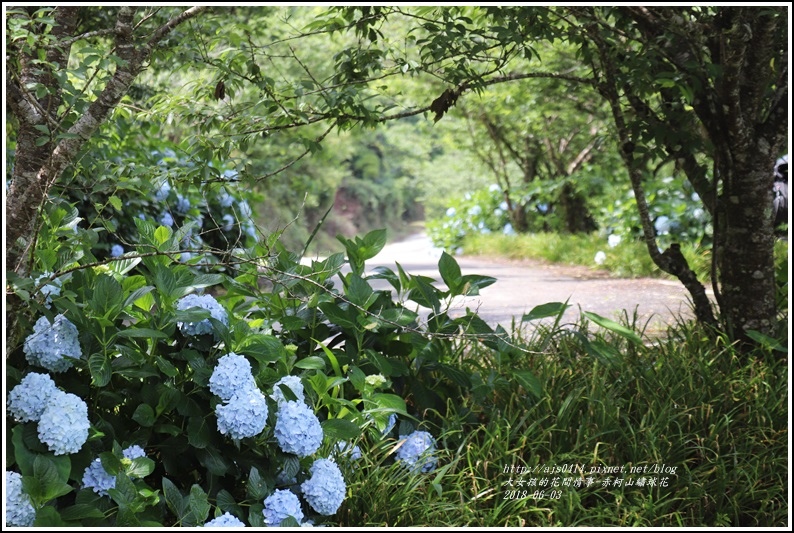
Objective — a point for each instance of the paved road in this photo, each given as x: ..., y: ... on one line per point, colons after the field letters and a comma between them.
x: 521, y: 285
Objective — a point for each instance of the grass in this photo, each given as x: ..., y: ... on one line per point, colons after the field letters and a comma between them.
x: 627, y: 259
x: 690, y: 402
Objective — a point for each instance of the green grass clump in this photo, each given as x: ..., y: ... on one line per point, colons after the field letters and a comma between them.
x: 715, y: 418
x: 628, y: 259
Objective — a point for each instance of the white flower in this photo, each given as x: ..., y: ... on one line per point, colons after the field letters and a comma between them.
x: 375, y: 380
x: 613, y: 240
x: 600, y: 257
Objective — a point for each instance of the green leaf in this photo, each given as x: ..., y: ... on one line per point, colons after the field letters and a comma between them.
x: 311, y: 362
x: 48, y: 516
x: 107, y: 297
x: 100, y: 369
x: 198, y: 505
x: 22, y: 455
x: 80, y: 511
x: 174, y: 499
x: 357, y: 378
x: 140, y: 467
x: 470, y: 284
x: 450, y: 272
x: 213, y: 461
x: 545, y: 310
x: 389, y: 401
x: 145, y: 333
x: 530, y: 382
x: 199, y: 433
x: 52, y: 484
x: 144, y: 415
x: 766, y: 341
x: 256, y: 488
x: 359, y: 292
x: 613, y: 326
x: 336, y: 315
x: 115, y: 201
x: 162, y: 234
x: 124, y: 493
x: 340, y: 429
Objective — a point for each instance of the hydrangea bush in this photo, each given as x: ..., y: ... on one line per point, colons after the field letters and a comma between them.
x: 167, y: 396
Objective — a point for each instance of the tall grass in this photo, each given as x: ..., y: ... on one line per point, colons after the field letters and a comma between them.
x: 689, y: 402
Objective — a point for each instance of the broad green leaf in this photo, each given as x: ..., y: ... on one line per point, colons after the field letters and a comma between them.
x: 450, y: 272
x: 173, y: 498
x: 144, y: 415
x: 340, y: 429
x: 140, y: 467
x: 529, y: 382
x: 141, y: 333
x: 198, y: 505
x: 311, y: 362
x: 199, y: 432
x: 545, y: 310
x: 100, y: 369
x: 389, y: 401
x: 256, y: 487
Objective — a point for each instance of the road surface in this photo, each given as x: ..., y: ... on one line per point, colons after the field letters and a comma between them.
x: 521, y: 285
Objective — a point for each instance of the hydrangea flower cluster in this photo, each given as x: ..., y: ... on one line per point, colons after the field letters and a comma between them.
x: 116, y: 250
x: 27, y: 401
x: 50, y: 289
x: 63, y: 425
x: 325, y: 489
x: 204, y: 301
x: 294, y: 384
x: 232, y: 374
x: 417, y: 450
x: 245, y: 415
x: 19, y: 509
x: 298, y: 429
x: 51, y: 345
x: 390, y: 424
x: 225, y: 520
x: 280, y: 505
x: 96, y: 477
x: 166, y: 219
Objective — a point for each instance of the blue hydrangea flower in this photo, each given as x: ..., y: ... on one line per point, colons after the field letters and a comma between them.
x: 245, y: 415
x: 225, y: 520
x: 344, y: 448
x: 298, y: 429
x: 232, y: 374
x: 96, y: 478
x: 51, y: 345
x: 182, y: 204
x: 162, y: 193
x: 325, y: 489
x: 280, y: 505
x: 63, y: 425
x: 116, y: 250
x: 390, y: 424
x: 49, y: 290
x: 294, y: 384
x: 134, y: 452
x: 416, y: 451
x: 166, y: 219
x: 204, y: 301
x: 27, y: 401
x: 228, y: 222
x: 224, y: 198
x: 19, y: 509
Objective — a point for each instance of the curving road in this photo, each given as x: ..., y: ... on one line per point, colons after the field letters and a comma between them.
x: 521, y: 285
